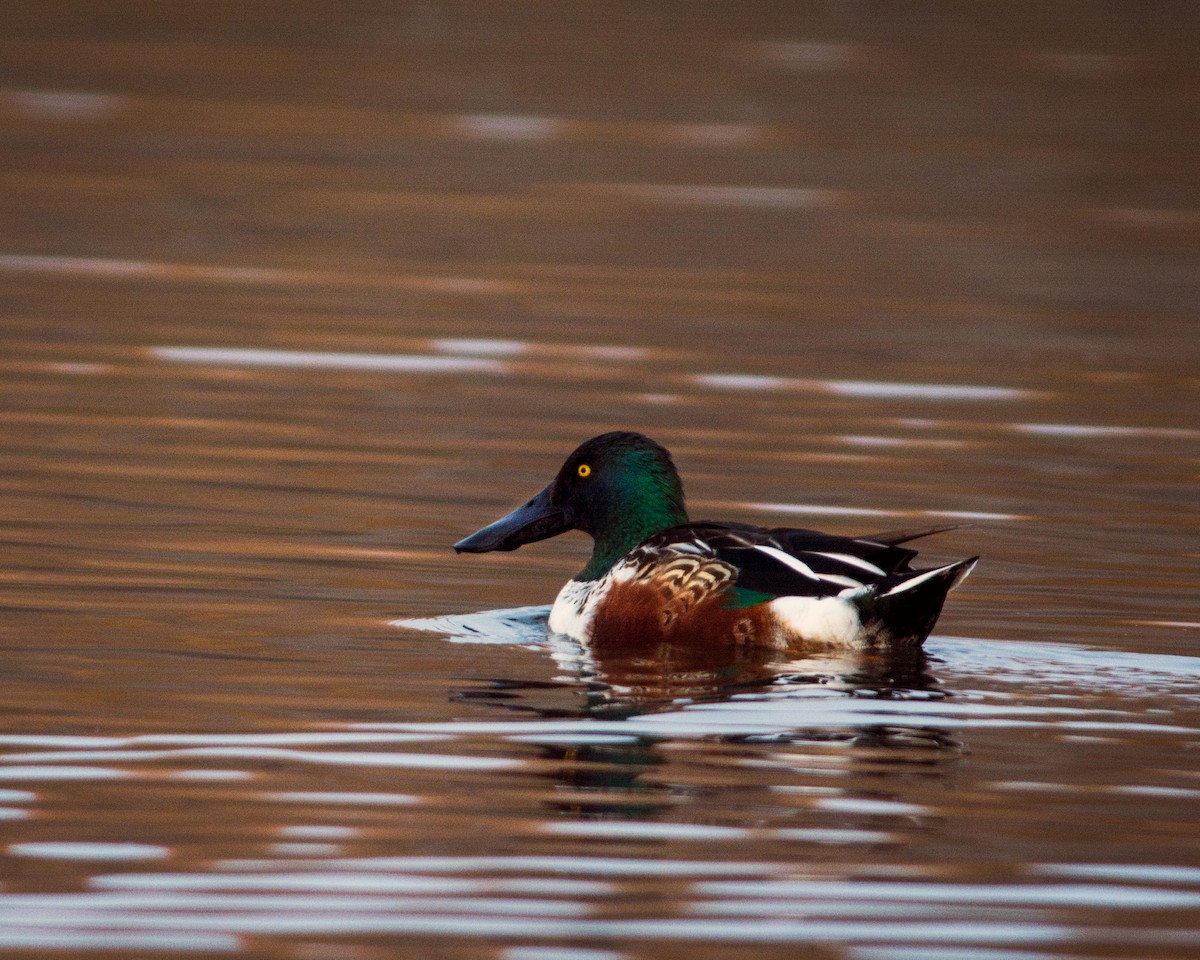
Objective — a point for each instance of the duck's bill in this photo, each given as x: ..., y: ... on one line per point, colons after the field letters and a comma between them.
x: 539, y: 519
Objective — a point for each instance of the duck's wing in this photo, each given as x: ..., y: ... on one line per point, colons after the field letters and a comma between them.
x: 881, y: 550
x: 754, y: 565
x: 757, y: 564
x: 682, y: 569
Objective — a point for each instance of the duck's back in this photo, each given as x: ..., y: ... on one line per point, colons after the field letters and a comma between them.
x: 769, y: 586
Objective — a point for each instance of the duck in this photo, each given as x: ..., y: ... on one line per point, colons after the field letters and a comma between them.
x: 656, y: 576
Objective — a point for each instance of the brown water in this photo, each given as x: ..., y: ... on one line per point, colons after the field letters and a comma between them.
x: 294, y: 296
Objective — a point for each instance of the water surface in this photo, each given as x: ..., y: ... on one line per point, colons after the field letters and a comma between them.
x: 292, y: 299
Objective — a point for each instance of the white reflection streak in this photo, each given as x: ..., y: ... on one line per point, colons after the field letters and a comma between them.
x: 76, y: 368
x: 1120, y: 871
x: 58, y: 740
x: 869, y: 807
x: 642, y: 831
x: 151, y: 899
x: 808, y: 55
x: 835, y: 835
x: 319, y: 738
x: 924, y: 391
x: 344, y: 799
x: 865, y: 389
x: 70, y: 850
x: 1052, y: 895
x: 23, y: 935
x: 707, y: 195
x: 743, y: 381
x: 927, y: 952
x: 25, y: 772
x: 473, y: 923
x: 483, y: 347
x: 65, y: 104
x: 111, y: 267
x: 822, y: 510
x: 479, y: 346
x: 507, y: 126
x: 315, y: 738
x: 97, y: 266
x: 305, y: 359
x: 303, y: 882
x: 1096, y: 430
x: 974, y: 515
x: 319, y: 832
x: 420, y: 761
x: 561, y: 869
x: 561, y: 953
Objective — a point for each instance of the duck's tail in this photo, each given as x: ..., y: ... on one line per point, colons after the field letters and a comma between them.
x: 904, y: 608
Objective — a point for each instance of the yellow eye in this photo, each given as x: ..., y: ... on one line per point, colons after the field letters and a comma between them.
x: 584, y: 470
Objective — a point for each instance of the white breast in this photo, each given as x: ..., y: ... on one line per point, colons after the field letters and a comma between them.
x: 571, y: 613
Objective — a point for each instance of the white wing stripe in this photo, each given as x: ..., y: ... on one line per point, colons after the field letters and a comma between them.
x: 854, y: 562
x: 914, y: 581
x: 789, y: 561
x: 841, y: 581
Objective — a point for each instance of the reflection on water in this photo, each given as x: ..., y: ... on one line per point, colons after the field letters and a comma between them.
x: 295, y: 298
x: 632, y: 679
x: 851, y: 760
x: 863, y: 388
x: 396, y: 363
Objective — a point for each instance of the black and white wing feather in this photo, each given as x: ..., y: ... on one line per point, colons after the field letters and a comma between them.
x: 779, y: 562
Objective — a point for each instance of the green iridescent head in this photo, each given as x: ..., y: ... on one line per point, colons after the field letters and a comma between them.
x: 618, y: 487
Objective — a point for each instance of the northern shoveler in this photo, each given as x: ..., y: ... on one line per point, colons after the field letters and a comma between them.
x: 655, y: 576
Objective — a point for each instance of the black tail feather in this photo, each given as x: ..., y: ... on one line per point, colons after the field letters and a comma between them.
x: 893, y: 537
x: 905, y: 609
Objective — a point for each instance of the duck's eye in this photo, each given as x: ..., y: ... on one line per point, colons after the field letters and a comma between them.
x: 584, y: 470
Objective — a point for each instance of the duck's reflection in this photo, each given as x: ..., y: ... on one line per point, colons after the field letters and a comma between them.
x: 664, y: 672
x: 788, y: 712
x: 624, y: 679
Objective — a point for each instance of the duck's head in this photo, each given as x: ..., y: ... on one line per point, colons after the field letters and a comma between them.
x: 618, y: 487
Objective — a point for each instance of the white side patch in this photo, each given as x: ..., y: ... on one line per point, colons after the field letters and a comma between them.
x: 818, y: 619
x: 788, y: 561
x: 854, y: 562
